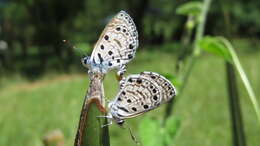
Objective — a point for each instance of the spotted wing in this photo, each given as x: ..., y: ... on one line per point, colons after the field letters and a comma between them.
x: 118, y: 42
x: 168, y: 90
x: 138, y: 95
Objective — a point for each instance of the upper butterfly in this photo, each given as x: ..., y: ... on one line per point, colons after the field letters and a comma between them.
x: 115, y: 47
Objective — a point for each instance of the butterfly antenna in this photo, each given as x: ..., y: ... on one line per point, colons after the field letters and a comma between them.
x: 132, y: 135
x: 79, y: 50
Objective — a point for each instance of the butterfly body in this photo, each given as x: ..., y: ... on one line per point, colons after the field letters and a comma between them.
x: 139, y: 94
x: 96, y: 67
x: 116, y: 46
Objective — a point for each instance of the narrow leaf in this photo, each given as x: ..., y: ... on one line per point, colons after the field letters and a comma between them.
x: 243, y: 76
x: 216, y: 47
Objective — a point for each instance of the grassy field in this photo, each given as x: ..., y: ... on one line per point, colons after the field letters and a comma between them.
x: 29, y: 110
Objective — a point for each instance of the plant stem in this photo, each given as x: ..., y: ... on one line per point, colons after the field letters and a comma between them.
x: 193, y: 57
x: 201, y: 26
x: 90, y: 131
x: 234, y: 105
x: 234, y: 100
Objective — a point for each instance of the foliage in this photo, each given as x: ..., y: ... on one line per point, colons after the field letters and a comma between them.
x: 29, y: 110
x: 216, y: 47
x: 223, y: 48
x: 152, y: 133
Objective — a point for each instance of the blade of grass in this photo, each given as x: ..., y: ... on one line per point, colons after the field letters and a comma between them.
x: 243, y: 76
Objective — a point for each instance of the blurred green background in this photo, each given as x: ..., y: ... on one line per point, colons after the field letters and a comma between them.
x: 42, y: 82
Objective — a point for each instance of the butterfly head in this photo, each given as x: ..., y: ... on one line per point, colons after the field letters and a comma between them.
x: 120, y: 122
x: 86, y: 61
x: 114, y: 113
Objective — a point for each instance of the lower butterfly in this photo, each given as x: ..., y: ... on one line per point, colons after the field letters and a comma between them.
x: 139, y: 94
x: 115, y: 47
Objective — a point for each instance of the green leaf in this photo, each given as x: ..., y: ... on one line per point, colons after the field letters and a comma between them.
x: 153, y: 134
x: 150, y: 132
x: 215, y: 46
x: 90, y: 131
x: 190, y: 8
x: 172, y: 126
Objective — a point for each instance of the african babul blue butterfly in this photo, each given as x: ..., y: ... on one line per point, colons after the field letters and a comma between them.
x: 115, y: 47
x: 139, y: 93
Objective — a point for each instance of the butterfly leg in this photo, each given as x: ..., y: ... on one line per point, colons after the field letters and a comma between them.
x: 110, y: 123
x: 121, y: 72
x: 122, y: 82
x: 109, y: 119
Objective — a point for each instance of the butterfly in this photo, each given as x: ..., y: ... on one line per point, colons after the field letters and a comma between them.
x: 115, y: 47
x: 139, y: 93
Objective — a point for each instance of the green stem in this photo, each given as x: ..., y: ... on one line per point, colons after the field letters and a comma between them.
x: 234, y: 105
x: 196, y: 49
x: 201, y: 26
x: 195, y: 54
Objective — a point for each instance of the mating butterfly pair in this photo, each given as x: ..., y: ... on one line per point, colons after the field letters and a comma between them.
x: 138, y: 93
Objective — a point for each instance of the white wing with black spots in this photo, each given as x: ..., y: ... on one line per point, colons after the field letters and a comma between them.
x: 117, y: 44
x: 141, y: 93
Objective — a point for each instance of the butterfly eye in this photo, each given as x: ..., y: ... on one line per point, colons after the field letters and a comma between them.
x: 85, y: 60
x: 121, y: 122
